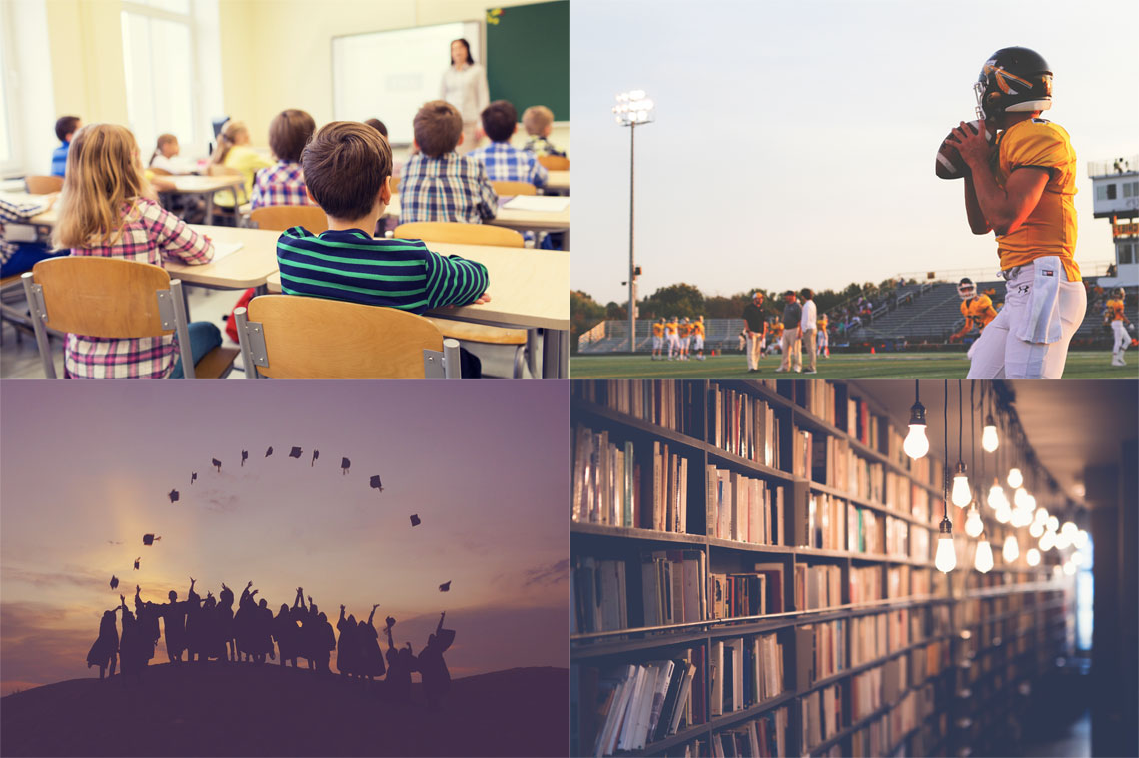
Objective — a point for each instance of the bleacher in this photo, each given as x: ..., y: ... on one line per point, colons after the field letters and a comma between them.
x: 932, y: 315
x: 722, y: 334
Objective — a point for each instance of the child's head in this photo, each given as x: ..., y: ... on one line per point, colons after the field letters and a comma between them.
x: 346, y: 167
x: 289, y: 132
x: 233, y: 133
x: 378, y: 125
x: 167, y: 147
x: 66, y: 127
x: 103, y: 176
x: 500, y: 120
x: 538, y: 120
x: 438, y: 128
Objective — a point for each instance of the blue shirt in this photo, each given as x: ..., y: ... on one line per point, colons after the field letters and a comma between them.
x: 359, y: 268
x: 59, y: 160
x: 506, y: 163
x: 450, y: 187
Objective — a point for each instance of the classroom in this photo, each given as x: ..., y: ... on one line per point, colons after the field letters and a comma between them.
x: 248, y: 141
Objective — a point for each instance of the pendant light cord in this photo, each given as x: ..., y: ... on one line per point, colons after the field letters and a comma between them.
x: 945, y: 427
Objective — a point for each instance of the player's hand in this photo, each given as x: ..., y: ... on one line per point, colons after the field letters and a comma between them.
x: 974, y: 148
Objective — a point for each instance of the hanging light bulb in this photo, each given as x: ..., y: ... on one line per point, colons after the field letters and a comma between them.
x: 1070, y: 529
x: 1015, y: 478
x: 1069, y: 568
x: 1078, y: 559
x: 1004, y: 513
x: 961, y: 495
x: 1032, y: 556
x: 983, y: 559
x: 997, y: 496
x: 989, y: 440
x: 1021, y: 517
x: 973, y: 524
x: 1036, y: 530
x: 1063, y: 541
x: 916, y: 444
x: 1048, y: 541
x: 946, y: 558
x: 1040, y: 516
x: 1020, y: 497
x: 1081, y: 539
x: 1011, y: 549
x: 1053, y: 523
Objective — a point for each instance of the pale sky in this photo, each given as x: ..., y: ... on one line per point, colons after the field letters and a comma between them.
x: 87, y: 467
x: 794, y: 142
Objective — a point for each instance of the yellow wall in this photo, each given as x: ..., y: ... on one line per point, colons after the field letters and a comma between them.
x: 87, y: 59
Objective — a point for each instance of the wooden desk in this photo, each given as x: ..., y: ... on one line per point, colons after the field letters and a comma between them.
x: 523, y: 221
x: 529, y: 288
x: 559, y: 183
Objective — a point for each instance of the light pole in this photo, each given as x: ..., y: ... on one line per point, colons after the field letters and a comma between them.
x: 632, y: 110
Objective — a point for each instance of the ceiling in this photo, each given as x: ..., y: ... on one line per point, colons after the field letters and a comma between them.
x: 1069, y: 423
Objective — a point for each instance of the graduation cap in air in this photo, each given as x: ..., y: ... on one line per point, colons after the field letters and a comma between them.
x: 445, y: 587
x: 136, y: 560
x: 149, y: 539
x: 295, y: 452
x: 415, y: 519
x: 345, y: 464
x: 377, y: 484
x: 174, y: 496
x: 114, y: 581
x: 269, y: 451
x: 217, y: 463
x: 193, y: 477
x: 315, y: 455
x: 244, y: 455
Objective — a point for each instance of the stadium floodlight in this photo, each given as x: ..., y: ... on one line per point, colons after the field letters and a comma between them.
x: 633, y: 109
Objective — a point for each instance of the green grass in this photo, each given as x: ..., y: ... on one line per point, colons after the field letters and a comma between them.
x: 1081, y: 365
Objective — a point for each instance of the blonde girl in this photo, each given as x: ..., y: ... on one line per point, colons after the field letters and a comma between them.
x: 108, y: 208
x: 233, y: 152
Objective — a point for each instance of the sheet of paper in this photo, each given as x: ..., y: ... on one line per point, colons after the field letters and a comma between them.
x: 541, y: 203
x: 222, y: 249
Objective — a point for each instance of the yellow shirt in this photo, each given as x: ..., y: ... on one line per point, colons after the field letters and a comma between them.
x: 1051, y: 227
x: 248, y: 162
x: 978, y: 309
x: 698, y: 329
x: 670, y: 328
x: 778, y: 329
x: 685, y: 331
x: 658, y: 330
x: 822, y: 321
x: 1115, y: 310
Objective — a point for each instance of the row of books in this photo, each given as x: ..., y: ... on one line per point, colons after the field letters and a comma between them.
x: 822, y: 523
x: 878, y: 635
x: 673, y: 587
x: 764, y: 736
x: 743, y: 508
x: 745, y: 671
x: 663, y: 402
x: 747, y: 594
x: 820, y: 651
x: 881, y: 685
x: 597, y: 587
x: 821, y: 716
x: 744, y: 425
x: 635, y: 704
x: 865, y: 583
x: 817, y: 586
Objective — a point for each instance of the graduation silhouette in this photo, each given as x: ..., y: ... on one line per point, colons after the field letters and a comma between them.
x: 193, y: 476
x: 174, y: 496
x: 315, y: 455
x: 445, y: 587
x: 415, y: 519
x: 114, y: 581
x: 217, y: 463
x: 269, y: 451
x: 345, y: 464
x: 136, y: 562
x: 376, y: 484
x: 244, y: 455
x: 295, y: 452
x: 149, y: 539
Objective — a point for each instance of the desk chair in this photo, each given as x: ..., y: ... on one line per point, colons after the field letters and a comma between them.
x: 234, y: 214
x: 43, y: 185
x: 282, y: 217
x: 113, y: 298
x: 509, y: 189
x: 295, y: 337
x: 554, y: 162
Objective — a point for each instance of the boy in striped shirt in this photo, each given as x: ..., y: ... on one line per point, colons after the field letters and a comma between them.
x: 348, y: 263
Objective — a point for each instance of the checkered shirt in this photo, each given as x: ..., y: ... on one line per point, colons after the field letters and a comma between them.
x: 506, y: 163
x: 541, y: 146
x: 150, y: 235
x: 282, y: 184
x: 451, y: 187
x: 14, y: 213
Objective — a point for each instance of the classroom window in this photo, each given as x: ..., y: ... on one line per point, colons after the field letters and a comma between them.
x: 7, y: 151
x: 158, y: 62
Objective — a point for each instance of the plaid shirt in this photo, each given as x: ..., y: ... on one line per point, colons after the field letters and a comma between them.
x: 150, y: 235
x: 506, y: 163
x: 451, y: 187
x: 282, y: 184
x: 14, y: 213
x: 541, y: 146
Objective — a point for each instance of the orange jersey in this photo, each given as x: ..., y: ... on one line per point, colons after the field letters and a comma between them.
x: 698, y: 329
x: 1114, y: 310
x: 658, y: 330
x: 1051, y: 227
x: 685, y: 331
x: 670, y: 328
x: 822, y: 321
x: 777, y: 329
x: 978, y: 310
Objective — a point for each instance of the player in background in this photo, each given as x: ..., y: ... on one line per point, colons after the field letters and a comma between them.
x: 1115, y: 315
x: 698, y: 337
x: 977, y: 309
x: 824, y: 342
x: 755, y: 331
x: 776, y: 330
x: 658, y: 338
x: 685, y: 337
x: 670, y: 329
x: 1022, y: 188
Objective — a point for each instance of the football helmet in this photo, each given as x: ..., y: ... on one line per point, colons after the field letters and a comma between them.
x: 1013, y: 79
x: 966, y: 289
x: 1119, y: 293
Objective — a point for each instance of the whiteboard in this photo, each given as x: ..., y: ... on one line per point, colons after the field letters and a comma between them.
x: 389, y: 75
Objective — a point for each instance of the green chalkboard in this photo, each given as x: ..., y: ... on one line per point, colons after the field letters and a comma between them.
x: 528, y: 58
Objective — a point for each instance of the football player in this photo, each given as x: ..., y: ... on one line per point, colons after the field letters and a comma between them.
x: 685, y: 338
x: 824, y: 348
x: 1115, y: 315
x: 670, y: 337
x: 698, y: 338
x: 658, y: 338
x: 977, y: 309
x: 1022, y: 188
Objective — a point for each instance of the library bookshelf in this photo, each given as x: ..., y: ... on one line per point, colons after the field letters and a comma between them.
x: 752, y: 574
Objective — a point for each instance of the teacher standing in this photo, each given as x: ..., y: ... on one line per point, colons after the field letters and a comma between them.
x: 464, y: 86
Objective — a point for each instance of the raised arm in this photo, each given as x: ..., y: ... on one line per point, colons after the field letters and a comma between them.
x: 300, y: 601
x: 1003, y: 209
x: 372, y: 615
x: 439, y: 628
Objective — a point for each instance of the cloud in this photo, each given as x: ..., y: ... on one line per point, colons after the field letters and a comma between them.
x: 547, y: 575
x: 45, y: 579
x: 40, y: 643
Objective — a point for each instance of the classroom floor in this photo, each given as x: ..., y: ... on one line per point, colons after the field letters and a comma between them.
x: 19, y: 358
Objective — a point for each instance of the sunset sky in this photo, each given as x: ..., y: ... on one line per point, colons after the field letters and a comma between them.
x: 794, y: 142
x: 87, y: 468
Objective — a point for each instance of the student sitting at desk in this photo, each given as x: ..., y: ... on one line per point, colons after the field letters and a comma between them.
x: 347, y: 168
x: 439, y: 184
x: 504, y: 162
x: 107, y: 208
x: 539, y: 123
x: 165, y: 156
x: 233, y: 152
x: 65, y: 129
x: 284, y: 183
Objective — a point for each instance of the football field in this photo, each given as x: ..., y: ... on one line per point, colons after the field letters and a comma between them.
x: 1081, y: 365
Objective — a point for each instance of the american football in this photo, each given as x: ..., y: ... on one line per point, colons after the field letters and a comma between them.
x: 949, y: 164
